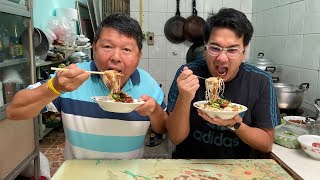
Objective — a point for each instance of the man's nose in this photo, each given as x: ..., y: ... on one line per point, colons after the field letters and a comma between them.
x: 222, y: 56
x: 116, y: 55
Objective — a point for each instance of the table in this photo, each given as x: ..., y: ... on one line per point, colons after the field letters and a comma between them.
x: 299, y: 164
x: 147, y: 169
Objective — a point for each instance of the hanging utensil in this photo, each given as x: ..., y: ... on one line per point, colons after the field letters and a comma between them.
x: 193, y: 26
x: 173, y: 29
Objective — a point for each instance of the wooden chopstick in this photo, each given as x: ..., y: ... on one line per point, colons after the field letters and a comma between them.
x: 65, y: 69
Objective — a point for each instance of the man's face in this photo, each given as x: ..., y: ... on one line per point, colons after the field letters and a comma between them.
x: 222, y: 65
x: 116, y: 51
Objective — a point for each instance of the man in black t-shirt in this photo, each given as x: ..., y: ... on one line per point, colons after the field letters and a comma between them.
x: 226, y: 37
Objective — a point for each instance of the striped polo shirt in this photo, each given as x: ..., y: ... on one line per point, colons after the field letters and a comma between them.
x: 92, y: 133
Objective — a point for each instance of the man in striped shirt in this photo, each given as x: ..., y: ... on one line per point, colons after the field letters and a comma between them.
x: 92, y: 133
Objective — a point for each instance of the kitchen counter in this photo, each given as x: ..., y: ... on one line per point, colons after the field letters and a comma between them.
x: 147, y: 169
x: 297, y: 162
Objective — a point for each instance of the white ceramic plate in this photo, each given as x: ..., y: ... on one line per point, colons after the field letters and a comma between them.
x: 298, y: 118
x: 220, y: 114
x: 118, y: 107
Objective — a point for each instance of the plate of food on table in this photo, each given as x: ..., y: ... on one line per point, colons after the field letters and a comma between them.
x: 214, y: 105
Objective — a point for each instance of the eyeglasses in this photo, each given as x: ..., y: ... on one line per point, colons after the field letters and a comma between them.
x: 232, y: 52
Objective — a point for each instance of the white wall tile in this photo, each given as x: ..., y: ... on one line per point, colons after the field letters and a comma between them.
x: 254, y: 6
x: 263, y: 4
x: 157, y: 69
x: 283, y: 2
x: 145, y: 19
x: 158, y: 5
x: 259, y: 45
x: 135, y: 5
x: 270, y: 47
x: 311, y: 23
x: 175, y: 50
x: 312, y: 6
x: 297, y: 13
x: 280, y: 43
x: 157, y: 20
x: 290, y: 75
x: 235, y: 4
x: 295, y: 0
x: 172, y: 6
x: 311, y: 51
x: 252, y: 53
x: 172, y: 66
x: 158, y: 50
x: 145, y: 50
x: 259, y: 24
x: 294, y: 50
x: 212, y: 6
x: 282, y: 19
x: 144, y: 64
x: 246, y: 6
x: 269, y: 19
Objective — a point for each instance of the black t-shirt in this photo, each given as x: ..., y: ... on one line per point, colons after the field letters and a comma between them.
x: 252, y: 88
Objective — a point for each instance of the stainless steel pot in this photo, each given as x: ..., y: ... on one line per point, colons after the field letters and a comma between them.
x: 290, y: 96
x: 265, y: 65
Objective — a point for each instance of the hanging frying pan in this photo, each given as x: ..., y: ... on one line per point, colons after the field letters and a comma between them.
x: 173, y: 29
x: 193, y: 26
x: 195, y: 50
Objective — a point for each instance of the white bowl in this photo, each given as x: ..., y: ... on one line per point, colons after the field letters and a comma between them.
x: 301, y: 119
x: 118, y: 107
x: 220, y: 114
x: 306, y: 142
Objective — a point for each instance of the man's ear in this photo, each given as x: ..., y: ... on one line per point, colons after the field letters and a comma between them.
x: 93, y: 50
x: 245, y: 49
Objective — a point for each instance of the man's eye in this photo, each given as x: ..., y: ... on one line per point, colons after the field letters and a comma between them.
x: 215, y: 49
x: 107, y: 46
x: 127, y: 50
x: 233, y: 51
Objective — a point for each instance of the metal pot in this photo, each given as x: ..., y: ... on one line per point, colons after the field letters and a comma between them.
x: 290, y: 96
x: 265, y: 65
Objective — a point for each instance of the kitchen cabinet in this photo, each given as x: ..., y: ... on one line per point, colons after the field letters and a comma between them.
x: 19, y: 139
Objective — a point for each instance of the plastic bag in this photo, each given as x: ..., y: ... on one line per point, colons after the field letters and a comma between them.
x: 44, y: 168
x: 62, y: 28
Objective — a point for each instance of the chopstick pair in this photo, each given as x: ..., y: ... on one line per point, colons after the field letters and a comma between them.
x: 65, y: 69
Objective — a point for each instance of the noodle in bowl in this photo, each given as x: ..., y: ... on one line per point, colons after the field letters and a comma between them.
x: 225, y: 113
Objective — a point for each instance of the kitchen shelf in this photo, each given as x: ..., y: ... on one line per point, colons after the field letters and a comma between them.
x: 14, y: 8
x: 12, y: 62
x: 47, y: 63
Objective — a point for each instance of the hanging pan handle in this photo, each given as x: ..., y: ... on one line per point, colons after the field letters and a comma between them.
x: 194, y: 10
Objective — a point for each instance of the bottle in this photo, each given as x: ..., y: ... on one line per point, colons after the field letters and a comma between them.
x: 4, y: 39
x: 15, y: 45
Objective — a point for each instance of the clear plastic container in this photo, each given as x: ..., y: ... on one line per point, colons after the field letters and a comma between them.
x: 286, y: 135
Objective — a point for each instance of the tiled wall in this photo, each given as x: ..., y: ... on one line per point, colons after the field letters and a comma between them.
x: 288, y: 32
x: 164, y: 58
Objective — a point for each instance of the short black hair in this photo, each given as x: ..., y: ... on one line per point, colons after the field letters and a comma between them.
x: 124, y: 24
x: 231, y: 19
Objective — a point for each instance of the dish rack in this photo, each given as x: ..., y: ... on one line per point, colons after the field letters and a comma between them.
x: 67, y: 51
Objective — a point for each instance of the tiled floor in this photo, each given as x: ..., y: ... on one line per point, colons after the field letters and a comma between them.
x: 52, y: 146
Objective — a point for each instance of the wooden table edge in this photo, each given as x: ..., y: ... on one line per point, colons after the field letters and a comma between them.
x: 285, y: 167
